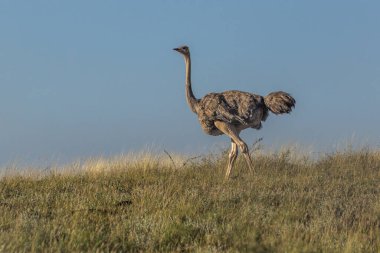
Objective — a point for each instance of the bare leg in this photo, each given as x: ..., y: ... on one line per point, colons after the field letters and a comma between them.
x: 231, y: 158
x: 247, y: 157
x: 233, y: 133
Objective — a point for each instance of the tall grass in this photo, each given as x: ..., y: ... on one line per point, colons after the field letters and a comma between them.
x: 145, y: 203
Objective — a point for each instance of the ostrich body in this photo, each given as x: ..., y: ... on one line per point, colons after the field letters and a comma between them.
x: 230, y: 112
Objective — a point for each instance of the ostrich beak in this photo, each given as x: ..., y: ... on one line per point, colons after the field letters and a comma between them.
x: 176, y: 49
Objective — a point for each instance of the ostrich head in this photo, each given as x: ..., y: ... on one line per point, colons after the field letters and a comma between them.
x: 184, y: 50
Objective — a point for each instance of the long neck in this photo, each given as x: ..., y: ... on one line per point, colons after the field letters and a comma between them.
x: 191, y: 100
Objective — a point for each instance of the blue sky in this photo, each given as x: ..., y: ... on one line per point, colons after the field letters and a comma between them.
x: 89, y: 78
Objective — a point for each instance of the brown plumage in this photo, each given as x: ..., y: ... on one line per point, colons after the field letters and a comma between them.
x: 230, y: 112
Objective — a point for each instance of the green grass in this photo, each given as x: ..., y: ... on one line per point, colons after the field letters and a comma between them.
x: 146, y: 204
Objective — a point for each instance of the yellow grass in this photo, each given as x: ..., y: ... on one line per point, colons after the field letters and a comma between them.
x: 156, y: 203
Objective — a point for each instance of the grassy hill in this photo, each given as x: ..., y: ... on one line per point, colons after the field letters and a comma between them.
x: 142, y: 204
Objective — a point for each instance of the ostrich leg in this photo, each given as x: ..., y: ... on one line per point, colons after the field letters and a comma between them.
x: 231, y: 158
x: 233, y: 133
x: 248, y: 158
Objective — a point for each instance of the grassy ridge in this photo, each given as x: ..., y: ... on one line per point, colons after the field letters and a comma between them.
x: 289, y: 204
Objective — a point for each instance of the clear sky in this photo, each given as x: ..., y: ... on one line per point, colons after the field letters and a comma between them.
x: 89, y: 78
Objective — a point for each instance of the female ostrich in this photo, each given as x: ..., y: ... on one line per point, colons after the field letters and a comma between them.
x: 230, y: 112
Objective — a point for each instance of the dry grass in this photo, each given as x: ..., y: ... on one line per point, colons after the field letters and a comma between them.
x: 146, y: 203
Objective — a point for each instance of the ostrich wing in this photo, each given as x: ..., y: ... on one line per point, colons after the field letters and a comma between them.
x: 227, y: 114
x: 215, y: 107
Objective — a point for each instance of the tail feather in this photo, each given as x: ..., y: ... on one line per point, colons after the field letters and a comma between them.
x: 279, y: 102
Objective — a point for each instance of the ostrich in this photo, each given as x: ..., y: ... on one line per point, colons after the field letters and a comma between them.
x: 232, y: 111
